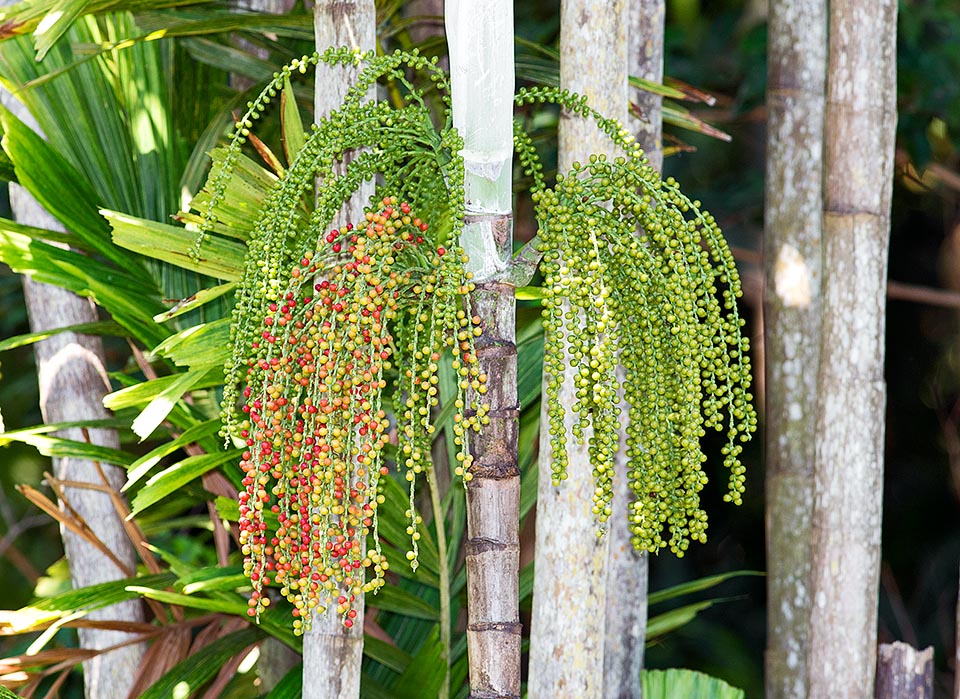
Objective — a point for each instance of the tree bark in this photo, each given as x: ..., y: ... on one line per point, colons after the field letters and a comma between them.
x: 332, y: 653
x: 570, y: 586
x: 796, y: 68
x: 480, y: 39
x: 626, y: 611
x: 903, y: 672
x: 73, y: 381
x: 858, y: 176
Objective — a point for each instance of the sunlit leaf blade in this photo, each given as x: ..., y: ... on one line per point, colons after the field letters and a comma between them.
x: 44, y: 611
x: 194, y: 301
x: 95, y: 328
x: 213, y: 579
x: 272, y: 622
x: 55, y: 24
x: 142, y: 466
x: 293, y: 134
x: 128, y: 299
x: 60, y: 188
x: 673, y: 684
x: 158, y: 408
x: 142, y: 393
x: 178, y: 475
x: 202, y: 345
x: 219, y: 258
x: 61, y: 448
x: 16, y: 435
x: 201, y: 667
x: 236, y: 607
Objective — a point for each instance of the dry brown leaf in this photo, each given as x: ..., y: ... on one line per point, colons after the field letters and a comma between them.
x: 169, y: 649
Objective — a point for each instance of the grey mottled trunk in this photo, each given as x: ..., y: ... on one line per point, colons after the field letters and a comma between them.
x: 626, y: 608
x: 73, y: 381
x: 332, y: 653
x: 858, y: 177
x: 796, y: 49
x: 570, y: 588
x: 480, y: 40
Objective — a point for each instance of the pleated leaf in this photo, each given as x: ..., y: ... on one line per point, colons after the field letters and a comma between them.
x: 95, y: 328
x: 178, y: 475
x: 202, y: 345
x: 142, y: 393
x: 673, y: 684
x: 85, y: 599
x: 219, y: 258
x: 159, y: 408
x: 194, y: 301
x: 290, y: 687
x: 140, y: 467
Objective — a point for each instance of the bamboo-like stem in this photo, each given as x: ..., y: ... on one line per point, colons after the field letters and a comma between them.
x: 791, y: 312
x: 73, y: 381
x: 332, y: 653
x: 440, y: 523
x: 626, y: 610
x: 570, y: 587
x: 480, y: 37
x: 859, y: 134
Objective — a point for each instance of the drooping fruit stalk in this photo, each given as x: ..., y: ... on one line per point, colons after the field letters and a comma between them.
x: 315, y: 428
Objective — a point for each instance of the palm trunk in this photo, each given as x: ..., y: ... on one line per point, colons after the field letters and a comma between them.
x: 480, y: 38
x: 570, y: 587
x: 332, y: 653
x: 73, y: 381
x: 626, y: 611
x: 858, y: 164
x: 794, y: 221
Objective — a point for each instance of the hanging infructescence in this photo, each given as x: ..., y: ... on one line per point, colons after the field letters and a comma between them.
x: 338, y: 334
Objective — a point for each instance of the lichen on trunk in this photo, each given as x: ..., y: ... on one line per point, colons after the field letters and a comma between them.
x: 568, y: 624
x: 859, y: 135
x: 332, y: 653
x: 792, y: 261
